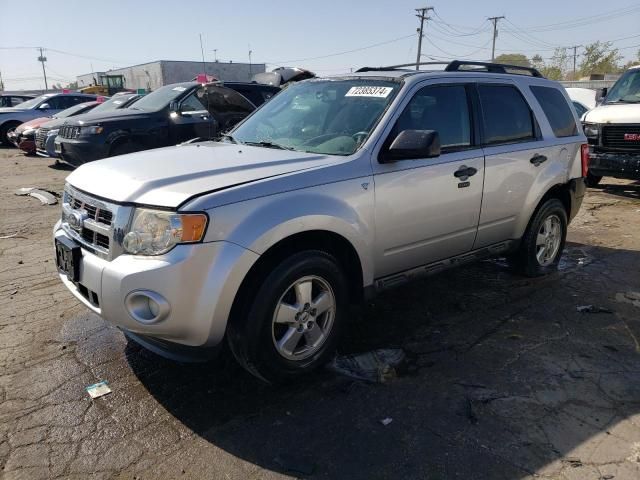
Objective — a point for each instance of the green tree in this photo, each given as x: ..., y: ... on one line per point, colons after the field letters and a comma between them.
x: 72, y: 86
x: 513, y: 59
x: 600, y: 57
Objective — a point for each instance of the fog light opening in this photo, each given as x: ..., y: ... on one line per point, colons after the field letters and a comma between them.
x: 147, y: 307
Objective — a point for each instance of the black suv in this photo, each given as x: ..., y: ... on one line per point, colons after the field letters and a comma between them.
x: 170, y: 115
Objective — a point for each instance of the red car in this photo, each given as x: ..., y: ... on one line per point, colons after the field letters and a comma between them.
x: 24, y: 135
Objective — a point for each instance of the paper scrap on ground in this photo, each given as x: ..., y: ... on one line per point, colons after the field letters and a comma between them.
x: 98, y: 389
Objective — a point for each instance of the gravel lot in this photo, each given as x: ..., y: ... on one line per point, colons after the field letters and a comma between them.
x: 506, y: 379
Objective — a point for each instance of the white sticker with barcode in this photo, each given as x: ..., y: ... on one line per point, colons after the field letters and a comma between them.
x: 364, y: 91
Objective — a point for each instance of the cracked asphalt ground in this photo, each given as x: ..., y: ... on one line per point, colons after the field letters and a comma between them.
x: 506, y: 379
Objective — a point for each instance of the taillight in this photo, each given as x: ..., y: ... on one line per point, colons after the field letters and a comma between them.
x: 584, y: 155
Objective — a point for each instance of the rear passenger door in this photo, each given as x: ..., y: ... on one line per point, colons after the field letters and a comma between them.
x: 515, y: 156
x: 423, y: 211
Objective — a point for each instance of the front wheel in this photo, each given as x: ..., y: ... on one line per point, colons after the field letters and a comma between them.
x: 543, y: 241
x: 292, y: 323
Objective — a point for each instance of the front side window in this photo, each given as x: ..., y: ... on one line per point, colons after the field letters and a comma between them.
x: 75, y: 110
x: 441, y: 108
x: 192, y: 104
x: 33, y: 103
x: 506, y: 115
x: 626, y: 89
x: 332, y: 117
x: 557, y: 111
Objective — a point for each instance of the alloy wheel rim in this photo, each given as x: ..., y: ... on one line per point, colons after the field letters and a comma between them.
x: 303, y: 318
x: 548, y: 240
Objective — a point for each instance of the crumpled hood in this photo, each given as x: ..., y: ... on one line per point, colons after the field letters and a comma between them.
x: 167, y: 177
x: 618, y: 113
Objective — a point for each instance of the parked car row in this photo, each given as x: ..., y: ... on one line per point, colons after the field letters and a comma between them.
x: 77, y: 128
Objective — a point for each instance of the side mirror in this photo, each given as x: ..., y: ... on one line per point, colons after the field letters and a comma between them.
x: 44, y: 106
x: 411, y: 144
x: 601, y: 94
x: 174, y: 107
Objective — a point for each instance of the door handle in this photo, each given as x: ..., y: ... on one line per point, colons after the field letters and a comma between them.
x: 465, y: 172
x: 538, y: 159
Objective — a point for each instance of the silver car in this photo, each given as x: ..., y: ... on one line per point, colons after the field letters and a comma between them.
x: 334, y: 190
x: 42, y: 106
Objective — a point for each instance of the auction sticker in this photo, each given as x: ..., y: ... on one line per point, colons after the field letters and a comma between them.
x: 364, y: 91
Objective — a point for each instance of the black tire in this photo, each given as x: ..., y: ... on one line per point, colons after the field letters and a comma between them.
x: 252, y: 335
x: 593, y: 180
x: 526, y: 260
x: 4, y: 131
x: 125, y: 147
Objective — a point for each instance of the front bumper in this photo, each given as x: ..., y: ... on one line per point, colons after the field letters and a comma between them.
x: 199, y: 283
x: 75, y: 152
x: 615, y: 164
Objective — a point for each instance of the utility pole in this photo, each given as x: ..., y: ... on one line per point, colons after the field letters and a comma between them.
x: 204, y: 65
x: 575, y: 54
x: 422, y: 15
x: 43, y: 59
x: 495, y: 35
x: 1, y: 83
x: 250, y: 72
x: 215, y: 54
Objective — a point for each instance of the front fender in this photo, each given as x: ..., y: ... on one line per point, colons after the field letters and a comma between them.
x: 344, y: 208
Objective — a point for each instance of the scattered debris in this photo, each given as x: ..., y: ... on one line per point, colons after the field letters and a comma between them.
x: 377, y: 366
x: 386, y: 421
x: 629, y: 297
x: 592, y: 309
x: 14, y: 292
x: 9, y: 236
x: 573, y: 461
x: 98, y: 390
x: 295, y: 464
x: 46, y: 198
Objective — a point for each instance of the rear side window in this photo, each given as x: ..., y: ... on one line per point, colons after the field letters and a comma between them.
x: 557, y: 110
x: 507, y: 116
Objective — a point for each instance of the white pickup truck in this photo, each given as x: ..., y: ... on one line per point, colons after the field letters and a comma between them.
x: 613, y: 130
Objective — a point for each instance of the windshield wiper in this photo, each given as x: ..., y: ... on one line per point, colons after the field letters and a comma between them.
x: 269, y: 145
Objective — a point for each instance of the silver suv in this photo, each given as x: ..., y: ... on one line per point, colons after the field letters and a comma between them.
x: 334, y: 190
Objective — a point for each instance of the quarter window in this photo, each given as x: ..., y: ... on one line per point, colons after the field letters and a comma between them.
x: 557, y: 110
x: 506, y: 115
x: 441, y: 108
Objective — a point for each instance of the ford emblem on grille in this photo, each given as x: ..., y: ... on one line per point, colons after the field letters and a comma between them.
x: 76, y: 219
x: 632, y: 137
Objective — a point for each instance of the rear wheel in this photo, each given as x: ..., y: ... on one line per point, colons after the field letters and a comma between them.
x: 543, y: 241
x: 292, y: 323
x: 593, y: 180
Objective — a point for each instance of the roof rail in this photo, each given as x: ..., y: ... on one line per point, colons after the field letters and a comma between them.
x: 394, y: 67
x: 455, y: 65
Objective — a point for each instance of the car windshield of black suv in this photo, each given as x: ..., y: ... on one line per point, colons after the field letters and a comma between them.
x: 332, y: 117
x: 159, y: 99
x: 626, y: 89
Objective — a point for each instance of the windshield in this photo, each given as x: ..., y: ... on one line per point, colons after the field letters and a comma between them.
x: 113, y: 104
x: 332, y: 117
x: 626, y: 89
x: 31, y: 103
x: 159, y: 99
x: 75, y: 110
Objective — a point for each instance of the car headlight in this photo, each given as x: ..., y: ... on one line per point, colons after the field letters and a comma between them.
x: 154, y: 232
x: 590, y: 130
x: 94, y: 130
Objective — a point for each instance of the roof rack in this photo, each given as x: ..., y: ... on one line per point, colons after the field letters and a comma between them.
x: 455, y: 66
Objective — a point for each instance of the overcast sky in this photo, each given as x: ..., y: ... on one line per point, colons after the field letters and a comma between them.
x: 112, y: 34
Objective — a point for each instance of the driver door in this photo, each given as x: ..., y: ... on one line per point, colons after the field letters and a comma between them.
x: 424, y: 210
x: 191, y: 120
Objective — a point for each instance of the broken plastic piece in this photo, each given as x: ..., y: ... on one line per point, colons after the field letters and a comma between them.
x: 45, y: 197
x: 386, y: 421
x: 377, y: 366
x: 98, y: 390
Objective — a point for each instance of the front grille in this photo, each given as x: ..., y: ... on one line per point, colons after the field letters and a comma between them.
x: 98, y: 219
x: 41, y: 138
x: 613, y: 136
x: 93, y: 211
x: 69, y: 131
